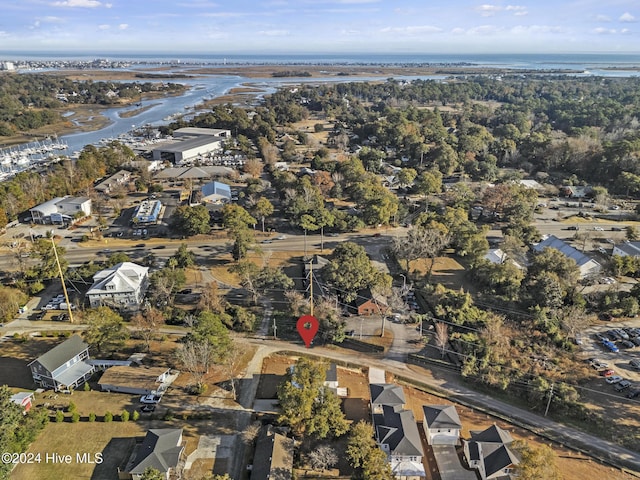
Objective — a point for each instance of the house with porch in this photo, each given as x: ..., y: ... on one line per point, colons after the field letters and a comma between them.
x: 121, y: 286
x: 137, y: 380
x: 64, y: 367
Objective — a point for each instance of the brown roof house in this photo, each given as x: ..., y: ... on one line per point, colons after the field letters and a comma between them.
x: 161, y: 449
x: 273, y: 458
x: 139, y: 380
x: 64, y: 367
x: 489, y: 453
x: 367, y: 303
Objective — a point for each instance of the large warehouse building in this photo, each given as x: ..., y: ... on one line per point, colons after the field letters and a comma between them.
x: 190, y: 143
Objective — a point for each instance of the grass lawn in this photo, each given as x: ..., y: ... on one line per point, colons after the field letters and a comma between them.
x: 267, y: 257
x: 113, y: 440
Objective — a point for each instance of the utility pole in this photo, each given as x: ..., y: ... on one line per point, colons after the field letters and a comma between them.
x: 311, y: 287
x: 64, y: 287
x: 549, y: 402
x: 275, y: 329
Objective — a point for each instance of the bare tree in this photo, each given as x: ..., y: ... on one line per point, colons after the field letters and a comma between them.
x: 196, y: 358
x: 230, y: 366
x: 322, y: 458
x: 211, y: 300
x: 250, y: 433
x: 573, y: 319
x: 441, y: 336
x: 297, y: 302
x: 420, y: 242
x: 147, y: 325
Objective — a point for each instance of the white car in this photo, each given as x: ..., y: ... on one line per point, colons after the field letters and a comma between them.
x: 281, y: 237
x: 150, y: 399
x: 598, y: 229
x: 613, y: 379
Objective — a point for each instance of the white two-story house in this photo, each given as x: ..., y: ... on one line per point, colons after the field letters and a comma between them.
x: 122, y: 286
x: 441, y: 424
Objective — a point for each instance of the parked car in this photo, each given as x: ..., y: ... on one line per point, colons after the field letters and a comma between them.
x: 636, y: 341
x: 597, y: 363
x: 622, y: 333
x: 185, y: 291
x: 609, y: 372
x: 147, y: 408
x: 627, y: 344
x: 150, y: 399
x: 610, y: 346
x: 633, y: 392
x: 635, y: 363
x: 41, y: 315
x: 620, y: 386
x: 613, y: 379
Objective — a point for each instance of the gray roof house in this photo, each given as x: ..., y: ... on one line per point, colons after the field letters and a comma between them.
x: 64, y: 367
x: 121, y: 286
x: 489, y: 453
x: 627, y: 249
x: 273, y: 457
x: 398, y: 436
x: 586, y: 265
x: 160, y: 449
x: 385, y: 394
x: 441, y: 424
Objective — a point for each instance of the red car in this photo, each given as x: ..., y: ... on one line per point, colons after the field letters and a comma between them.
x: 608, y: 372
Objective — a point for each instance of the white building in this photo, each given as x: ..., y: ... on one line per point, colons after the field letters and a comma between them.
x: 61, y: 210
x: 586, y: 265
x: 190, y: 143
x: 121, y: 286
x: 627, y: 249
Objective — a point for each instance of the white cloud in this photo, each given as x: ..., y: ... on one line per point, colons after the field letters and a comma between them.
x: 627, y: 17
x: 604, y: 31
x: 123, y: 26
x: 104, y: 27
x: 518, y: 10
x: 458, y: 31
x: 536, y: 29
x: 79, y: 3
x: 412, y: 30
x: 603, y: 18
x: 484, y: 30
x: 273, y: 33
x: 487, y: 10
x: 350, y: 32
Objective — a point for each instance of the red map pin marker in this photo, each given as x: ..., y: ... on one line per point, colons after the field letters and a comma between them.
x: 307, y: 326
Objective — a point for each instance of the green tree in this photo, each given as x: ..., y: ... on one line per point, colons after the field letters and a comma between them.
x: 631, y: 233
x: 536, y: 463
x: 105, y: 329
x: 308, y: 406
x: 350, y: 270
x: 235, y: 218
x: 210, y: 329
x: 151, y: 473
x: 307, y: 222
x: 47, y: 267
x: 191, y: 220
x: 11, y: 299
x: 184, y: 257
x: 406, y: 176
x: 429, y: 182
x: 116, y: 258
x: 364, y: 455
x: 262, y: 209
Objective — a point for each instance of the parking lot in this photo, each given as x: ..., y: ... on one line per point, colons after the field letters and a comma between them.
x: 594, y: 346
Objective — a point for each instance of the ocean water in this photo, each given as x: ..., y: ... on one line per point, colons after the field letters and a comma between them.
x: 516, y: 61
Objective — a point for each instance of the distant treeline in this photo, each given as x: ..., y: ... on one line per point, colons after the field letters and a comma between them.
x: 291, y: 73
x: 29, y: 101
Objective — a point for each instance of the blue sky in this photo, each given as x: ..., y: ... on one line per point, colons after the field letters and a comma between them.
x: 320, y: 26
